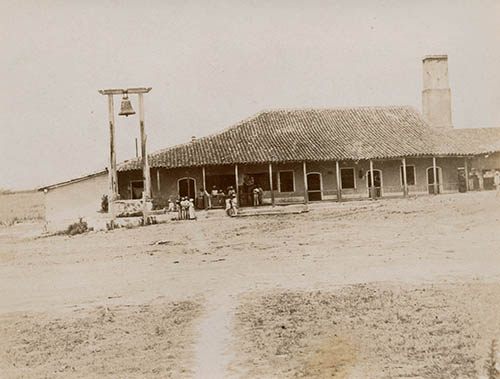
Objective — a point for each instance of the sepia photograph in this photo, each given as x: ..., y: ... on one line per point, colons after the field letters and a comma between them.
x: 250, y: 189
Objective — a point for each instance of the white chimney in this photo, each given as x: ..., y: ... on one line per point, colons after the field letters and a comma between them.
x: 436, y: 95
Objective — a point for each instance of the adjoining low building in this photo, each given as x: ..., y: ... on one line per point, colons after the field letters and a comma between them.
x: 484, y: 144
x: 67, y: 202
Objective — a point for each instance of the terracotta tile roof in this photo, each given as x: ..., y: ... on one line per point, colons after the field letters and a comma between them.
x: 478, y: 140
x: 312, y: 135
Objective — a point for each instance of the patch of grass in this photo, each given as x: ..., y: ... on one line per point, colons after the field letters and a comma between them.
x: 418, y: 332
x: 17, y: 207
x: 126, y: 341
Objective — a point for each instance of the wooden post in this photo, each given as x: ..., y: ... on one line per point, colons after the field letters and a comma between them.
x: 405, y: 180
x: 204, y: 178
x: 271, y: 183
x: 145, y: 164
x: 204, y: 183
x: 372, y: 181
x: 237, y: 189
x: 304, y: 170
x: 466, y: 169
x: 158, y: 181
x: 339, y: 182
x: 434, y: 173
x: 112, y: 163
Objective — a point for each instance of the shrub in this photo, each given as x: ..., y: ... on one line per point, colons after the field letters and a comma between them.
x: 78, y: 228
x: 160, y: 203
x: 104, y: 203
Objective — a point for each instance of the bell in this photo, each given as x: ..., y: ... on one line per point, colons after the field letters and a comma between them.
x: 126, y: 107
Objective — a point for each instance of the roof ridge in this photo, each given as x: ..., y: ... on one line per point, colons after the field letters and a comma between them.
x: 479, y: 128
x: 266, y: 110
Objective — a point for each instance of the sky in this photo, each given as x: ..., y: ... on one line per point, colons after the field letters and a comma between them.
x: 213, y: 63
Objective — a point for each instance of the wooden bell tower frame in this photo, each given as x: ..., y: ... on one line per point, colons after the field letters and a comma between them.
x: 112, y: 174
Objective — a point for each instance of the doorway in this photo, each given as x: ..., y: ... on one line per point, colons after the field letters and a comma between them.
x: 314, y: 192
x: 186, y: 187
x: 430, y: 180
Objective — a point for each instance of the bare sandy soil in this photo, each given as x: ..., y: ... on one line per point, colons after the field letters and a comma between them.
x: 408, y: 288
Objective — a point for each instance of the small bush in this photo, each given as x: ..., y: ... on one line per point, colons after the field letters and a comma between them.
x: 78, y: 228
x: 160, y: 203
x: 104, y: 203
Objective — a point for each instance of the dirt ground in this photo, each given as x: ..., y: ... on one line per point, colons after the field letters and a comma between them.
x: 391, y: 288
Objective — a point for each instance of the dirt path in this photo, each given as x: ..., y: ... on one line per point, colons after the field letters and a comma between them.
x: 213, y: 350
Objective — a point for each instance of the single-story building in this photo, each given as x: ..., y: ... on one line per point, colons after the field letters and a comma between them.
x: 311, y: 154
x: 302, y: 155
x: 67, y: 202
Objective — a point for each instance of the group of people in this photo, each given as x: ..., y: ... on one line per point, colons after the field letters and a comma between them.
x: 184, y: 206
x: 252, y: 191
x: 252, y: 194
x: 218, y: 198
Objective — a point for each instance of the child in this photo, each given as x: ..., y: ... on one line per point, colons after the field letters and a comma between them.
x: 255, y: 196
x: 220, y: 198
x: 171, y: 206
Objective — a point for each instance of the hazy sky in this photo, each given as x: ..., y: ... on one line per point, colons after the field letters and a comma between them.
x: 213, y: 63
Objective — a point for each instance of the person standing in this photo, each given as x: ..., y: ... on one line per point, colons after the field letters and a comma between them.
x: 496, y: 182
x: 480, y: 179
x: 179, y: 208
x: 255, y: 196
x: 261, y: 195
x: 191, y: 211
x: 229, y: 196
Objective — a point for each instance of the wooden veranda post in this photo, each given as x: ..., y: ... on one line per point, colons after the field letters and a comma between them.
x: 466, y: 173
x: 204, y: 178
x: 304, y: 170
x: 145, y: 164
x: 339, y: 182
x: 405, y: 180
x: 204, y: 183
x: 271, y: 183
x: 237, y: 185
x: 372, y: 181
x: 434, y: 174
x: 112, y: 163
x: 158, y: 185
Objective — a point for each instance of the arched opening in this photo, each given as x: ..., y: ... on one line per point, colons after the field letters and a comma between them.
x: 430, y: 179
x: 377, y: 181
x: 314, y: 186
x: 186, y: 187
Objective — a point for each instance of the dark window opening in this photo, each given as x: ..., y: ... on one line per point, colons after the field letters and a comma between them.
x: 137, y: 188
x: 410, y: 175
x: 347, y: 178
x: 286, y: 181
